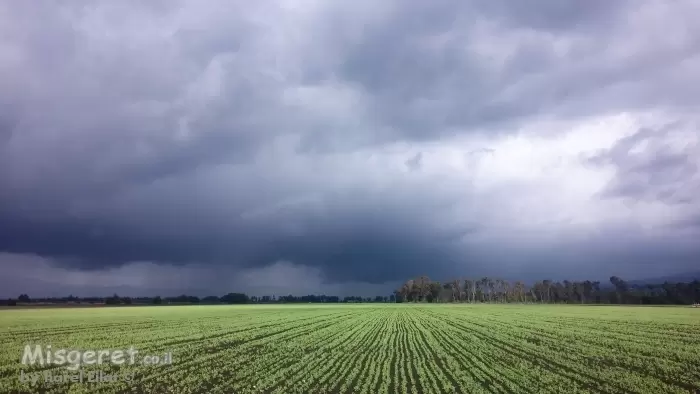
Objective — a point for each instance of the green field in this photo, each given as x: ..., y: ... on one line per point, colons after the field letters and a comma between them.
x: 365, y: 348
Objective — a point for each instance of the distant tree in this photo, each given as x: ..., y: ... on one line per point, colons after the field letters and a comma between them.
x: 157, y: 300
x: 11, y: 302
x: 547, y: 290
x: 456, y: 288
x: 483, y: 286
x: 126, y: 300
x: 587, y: 291
x: 621, y: 288
x: 402, y: 292
x: 491, y: 284
x: 183, y: 299
x: 568, y: 291
x: 397, y: 296
x: 114, y: 300
x: 506, y: 290
x: 235, y: 298
x: 519, y: 291
x: 23, y: 298
x: 434, y: 290
x: 470, y: 289
x: 424, y: 288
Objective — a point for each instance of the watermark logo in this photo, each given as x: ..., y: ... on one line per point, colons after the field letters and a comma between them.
x: 73, y: 359
x: 53, y: 377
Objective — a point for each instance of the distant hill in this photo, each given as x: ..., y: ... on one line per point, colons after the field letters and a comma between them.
x: 684, y: 277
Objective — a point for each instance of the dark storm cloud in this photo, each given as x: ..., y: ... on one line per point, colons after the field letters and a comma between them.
x: 368, y: 243
x: 240, y: 134
x: 425, y: 78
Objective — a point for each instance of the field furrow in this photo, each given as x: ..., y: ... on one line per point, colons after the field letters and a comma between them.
x: 364, y: 349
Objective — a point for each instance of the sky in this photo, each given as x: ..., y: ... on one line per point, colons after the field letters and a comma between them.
x: 343, y: 147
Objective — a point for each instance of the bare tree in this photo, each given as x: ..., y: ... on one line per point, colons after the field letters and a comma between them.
x: 520, y: 291
x: 470, y: 286
x: 456, y: 290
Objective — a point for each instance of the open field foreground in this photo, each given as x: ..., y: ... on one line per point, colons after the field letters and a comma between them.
x: 382, y: 348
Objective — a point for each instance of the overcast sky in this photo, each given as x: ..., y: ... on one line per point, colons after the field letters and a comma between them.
x: 344, y: 146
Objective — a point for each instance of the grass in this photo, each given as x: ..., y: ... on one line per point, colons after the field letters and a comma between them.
x: 380, y: 348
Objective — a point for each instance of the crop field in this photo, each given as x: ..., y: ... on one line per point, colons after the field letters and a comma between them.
x: 364, y: 348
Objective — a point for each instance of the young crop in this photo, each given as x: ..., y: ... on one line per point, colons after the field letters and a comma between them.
x: 398, y: 348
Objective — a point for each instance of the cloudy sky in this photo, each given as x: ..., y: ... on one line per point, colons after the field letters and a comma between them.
x: 344, y: 146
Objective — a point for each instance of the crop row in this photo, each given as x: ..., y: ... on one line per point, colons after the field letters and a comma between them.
x: 370, y: 348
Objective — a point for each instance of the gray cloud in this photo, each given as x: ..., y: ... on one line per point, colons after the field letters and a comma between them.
x: 656, y: 171
x: 39, y: 277
x: 414, y: 163
x: 367, y: 142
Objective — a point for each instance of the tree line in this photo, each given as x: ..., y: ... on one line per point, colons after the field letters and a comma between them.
x: 230, y: 298
x: 495, y: 290
x: 423, y: 289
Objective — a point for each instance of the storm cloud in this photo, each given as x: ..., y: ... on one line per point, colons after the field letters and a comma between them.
x: 342, y: 146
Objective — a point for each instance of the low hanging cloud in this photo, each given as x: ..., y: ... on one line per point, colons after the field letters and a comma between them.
x: 363, y: 143
x: 38, y: 276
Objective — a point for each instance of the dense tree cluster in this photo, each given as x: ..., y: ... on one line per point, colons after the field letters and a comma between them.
x: 488, y: 289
